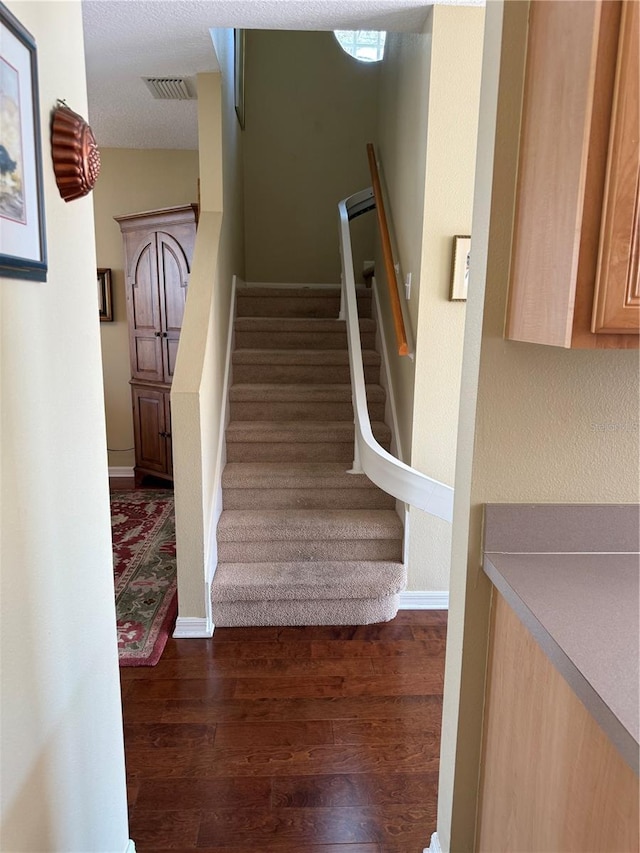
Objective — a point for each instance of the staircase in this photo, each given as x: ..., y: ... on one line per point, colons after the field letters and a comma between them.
x: 300, y: 540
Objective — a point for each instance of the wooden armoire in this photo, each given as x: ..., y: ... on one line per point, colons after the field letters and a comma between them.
x: 158, y: 248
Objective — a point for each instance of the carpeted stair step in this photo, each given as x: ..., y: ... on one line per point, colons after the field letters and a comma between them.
x: 287, y: 402
x: 300, y: 366
x: 320, y: 485
x: 256, y: 301
x: 299, y: 333
x: 296, y: 441
x: 303, y: 593
x: 261, y: 536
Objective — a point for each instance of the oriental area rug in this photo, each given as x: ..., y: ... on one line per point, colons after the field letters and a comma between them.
x: 144, y: 561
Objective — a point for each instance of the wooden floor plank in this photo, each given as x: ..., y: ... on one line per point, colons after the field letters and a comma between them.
x: 189, y: 794
x: 424, y: 683
x: 240, y: 667
x: 288, y: 740
x: 354, y: 789
x: 324, y: 650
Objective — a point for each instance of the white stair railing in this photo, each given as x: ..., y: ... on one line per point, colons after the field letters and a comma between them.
x: 390, y: 474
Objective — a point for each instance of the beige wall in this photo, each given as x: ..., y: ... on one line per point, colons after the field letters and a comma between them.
x: 430, y: 91
x: 130, y: 181
x: 197, y: 396
x: 535, y: 435
x: 310, y: 110
x: 62, y: 757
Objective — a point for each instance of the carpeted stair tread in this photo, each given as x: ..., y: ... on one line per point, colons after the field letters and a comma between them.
x: 324, y: 579
x: 325, y: 358
x: 298, y: 333
x: 298, y: 324
x: 308, y: 302
x: 298, y: 525
x: 286, y: 401
x: 302, y: 475
x: 322, y: 432
x: 292, y: 392
x: 272, y: 485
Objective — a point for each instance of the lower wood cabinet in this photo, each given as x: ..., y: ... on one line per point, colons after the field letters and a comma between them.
x: 551, y: 779
x: 152, y: 431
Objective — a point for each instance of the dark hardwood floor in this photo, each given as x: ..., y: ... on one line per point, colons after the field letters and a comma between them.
x: 305, y: 740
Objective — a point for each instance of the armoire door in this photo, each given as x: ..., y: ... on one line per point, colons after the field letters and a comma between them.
x: 173, y: 278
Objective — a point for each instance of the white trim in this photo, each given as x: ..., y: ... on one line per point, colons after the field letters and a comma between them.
x: 121, y: 471
x: 130, y: 848
x: 221, y: 456
x: 221, y: 450
x: 386, y: 471
x: 391, y: 412
x: 434, y: 847
x: 424, y: 600
x: 193, y: 627
x: 287, y: 284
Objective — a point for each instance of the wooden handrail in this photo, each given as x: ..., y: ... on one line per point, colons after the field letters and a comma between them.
x: 387, y: 254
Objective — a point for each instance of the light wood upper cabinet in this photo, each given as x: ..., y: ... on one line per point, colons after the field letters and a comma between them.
x: 574, y: 265
x: 617, y: 281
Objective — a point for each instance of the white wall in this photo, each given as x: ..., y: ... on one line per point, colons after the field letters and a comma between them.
x: 62, y: 759
x: 310, y: 111
x: 197, y: 394
x: 530, y: 423
x: 430, y: 91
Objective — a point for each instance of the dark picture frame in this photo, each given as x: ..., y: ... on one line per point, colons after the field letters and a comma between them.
x: 460, y: 268
x: 238, y: 73
x: 23, y: 245
x: 105, y: 295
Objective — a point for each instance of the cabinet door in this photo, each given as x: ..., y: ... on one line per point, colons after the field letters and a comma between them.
x: 143, y: 306
x: 173, y: 277
x: 617, y: 302
x: 150, y: 428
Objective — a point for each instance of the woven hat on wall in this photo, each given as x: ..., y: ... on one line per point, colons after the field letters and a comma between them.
x: 76, y: 158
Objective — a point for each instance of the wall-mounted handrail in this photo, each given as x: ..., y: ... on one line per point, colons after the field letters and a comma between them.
x: 387, y: 472
x: 387, y: 254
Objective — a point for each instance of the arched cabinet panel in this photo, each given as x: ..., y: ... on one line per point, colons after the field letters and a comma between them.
x: 158, y: 248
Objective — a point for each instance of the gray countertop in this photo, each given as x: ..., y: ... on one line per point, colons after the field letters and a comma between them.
x: 582, y: 606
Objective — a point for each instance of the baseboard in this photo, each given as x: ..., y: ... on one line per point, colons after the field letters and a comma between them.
x: 423, y: 600
x: 130, y: 848
x: 434, y: 847
x: 193, y: 627
x: 121, y: 471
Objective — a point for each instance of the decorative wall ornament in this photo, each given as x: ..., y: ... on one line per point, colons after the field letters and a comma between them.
x: 76, y: 158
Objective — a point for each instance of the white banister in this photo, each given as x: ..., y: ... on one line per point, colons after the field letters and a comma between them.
x: 390, y: 474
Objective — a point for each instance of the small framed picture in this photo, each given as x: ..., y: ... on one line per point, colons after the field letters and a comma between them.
x: 460, y: 268
x: 23, y: 249
x: 105, y: 298
x: 238, y: 65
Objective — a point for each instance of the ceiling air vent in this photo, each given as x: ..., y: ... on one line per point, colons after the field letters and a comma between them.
x: 169, y: 88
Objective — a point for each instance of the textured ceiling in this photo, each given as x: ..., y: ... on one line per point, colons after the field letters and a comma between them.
x: 129, y: 39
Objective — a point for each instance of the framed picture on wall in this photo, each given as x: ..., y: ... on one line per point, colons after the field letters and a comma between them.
x: 460, y: 268
x: 23, y: 252
x: 238, y: 77
x: 105, y: 297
